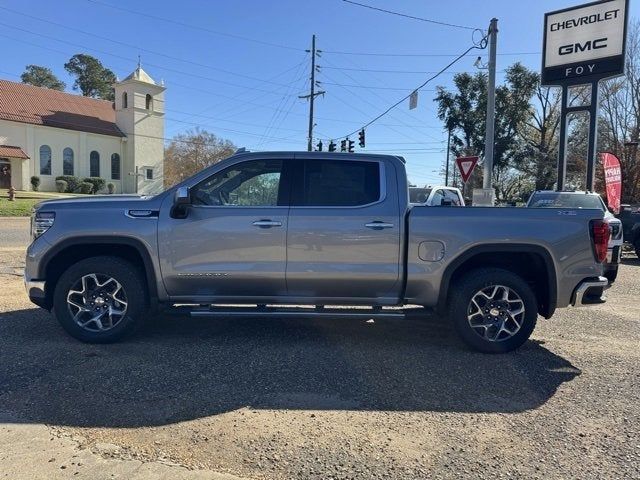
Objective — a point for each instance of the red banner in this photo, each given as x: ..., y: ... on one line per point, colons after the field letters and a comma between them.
x: 613, y: 180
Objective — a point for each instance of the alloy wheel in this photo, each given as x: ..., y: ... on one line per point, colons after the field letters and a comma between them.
x: 97, y: 302
x: 496, y: 313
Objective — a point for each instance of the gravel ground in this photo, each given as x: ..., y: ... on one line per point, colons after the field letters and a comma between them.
x: 304, y: 399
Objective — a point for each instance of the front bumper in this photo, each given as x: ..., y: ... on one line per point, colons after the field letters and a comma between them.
x: 590, y: 292
x: 36, y: 291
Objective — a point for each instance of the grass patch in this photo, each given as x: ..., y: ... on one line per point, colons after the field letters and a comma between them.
x: 20, y: 207
x: 40, y: 195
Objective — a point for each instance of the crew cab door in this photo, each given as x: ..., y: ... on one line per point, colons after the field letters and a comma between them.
x: 343, y: 240
x: 232, y: 243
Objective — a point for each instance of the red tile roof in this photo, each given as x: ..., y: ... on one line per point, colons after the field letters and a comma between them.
x: 12, y: 152
x: 42, y: 106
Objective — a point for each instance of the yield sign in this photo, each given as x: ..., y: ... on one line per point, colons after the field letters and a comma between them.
x: 466, y: 166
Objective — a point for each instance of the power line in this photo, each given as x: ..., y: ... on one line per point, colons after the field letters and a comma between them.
x: 346, y: 74
x: 128, y: 45
x: 168, y: 139
x: 173, y: 22
x: 417, y: 88
x: 373, y: 87
x: 180, y: 72
x: 380, y: 54
x: 394, y: 71
x: 428, y: 20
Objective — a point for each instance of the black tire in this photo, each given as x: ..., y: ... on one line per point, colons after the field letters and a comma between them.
x: 132, y: 290
x: 611, y: 274
x: 460, y: 307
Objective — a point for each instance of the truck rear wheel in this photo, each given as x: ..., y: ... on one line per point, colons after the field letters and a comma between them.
x: 100, y: 299
x: 493, y: 310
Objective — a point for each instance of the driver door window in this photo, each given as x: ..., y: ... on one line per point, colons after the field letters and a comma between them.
x: 249, y: 184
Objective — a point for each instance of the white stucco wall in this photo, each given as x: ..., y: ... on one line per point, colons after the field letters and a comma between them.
x: 145, y: 133
x: 31, y: 137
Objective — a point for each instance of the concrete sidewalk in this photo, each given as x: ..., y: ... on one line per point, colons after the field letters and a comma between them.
x: 30, y: 452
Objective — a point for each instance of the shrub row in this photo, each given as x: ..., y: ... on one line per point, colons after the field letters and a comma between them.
x: 72, y: 184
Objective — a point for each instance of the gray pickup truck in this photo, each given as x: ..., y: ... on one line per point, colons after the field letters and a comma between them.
x: 308, y: 234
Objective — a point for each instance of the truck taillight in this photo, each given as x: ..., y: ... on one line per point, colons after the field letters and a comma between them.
x: 600, y: 233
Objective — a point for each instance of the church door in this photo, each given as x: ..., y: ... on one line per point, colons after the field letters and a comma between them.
x: 5, y: 174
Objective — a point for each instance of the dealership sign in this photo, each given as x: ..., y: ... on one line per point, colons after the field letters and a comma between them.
x: 584, y: 43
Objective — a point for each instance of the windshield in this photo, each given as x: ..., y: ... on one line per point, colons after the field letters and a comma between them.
x: 419, y: 195
x: 566, y: 200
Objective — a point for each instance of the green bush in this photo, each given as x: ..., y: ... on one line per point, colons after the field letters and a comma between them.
x: 35, y: 182
x: 97, y: 182
x: 73, y: 183
x: 111, y: 187
x: 86, y: 187
x: 61, y: 186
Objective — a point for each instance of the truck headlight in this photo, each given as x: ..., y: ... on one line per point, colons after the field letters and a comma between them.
x: 41, y: 222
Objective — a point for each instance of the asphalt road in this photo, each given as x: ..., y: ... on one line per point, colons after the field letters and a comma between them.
x: 299, y: 399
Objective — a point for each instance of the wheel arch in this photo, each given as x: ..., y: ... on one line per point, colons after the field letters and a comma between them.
x: 532, y: 262
x: 69, y: 251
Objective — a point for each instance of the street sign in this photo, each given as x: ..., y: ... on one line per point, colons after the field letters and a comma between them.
x: 466, y: 166
x: 584, y: 43
x: 413, y: 100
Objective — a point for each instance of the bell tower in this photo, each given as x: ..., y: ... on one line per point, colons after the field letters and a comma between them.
x: 139, y: 104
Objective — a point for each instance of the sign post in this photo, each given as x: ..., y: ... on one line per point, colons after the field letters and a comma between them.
x: 583, y: 45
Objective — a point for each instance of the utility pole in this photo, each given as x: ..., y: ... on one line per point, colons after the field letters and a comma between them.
x: 446, y: 172
x: 491, y: 106
x: 312, y: 92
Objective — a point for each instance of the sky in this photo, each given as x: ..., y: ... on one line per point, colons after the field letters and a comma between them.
x: 236, y: 68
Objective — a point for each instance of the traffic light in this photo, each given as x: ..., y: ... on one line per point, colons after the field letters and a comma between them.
x: 351, y: 142
x: 319, y: 146
x: 343, y: 146
x: 361, y: 138
x: 332, y: 146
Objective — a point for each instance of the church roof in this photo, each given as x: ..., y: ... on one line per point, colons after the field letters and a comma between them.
x: 140, y: 75
x: 12, y: 152
x: 42, y: 106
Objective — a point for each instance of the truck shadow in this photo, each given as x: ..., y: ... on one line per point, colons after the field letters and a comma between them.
x: 180, y: 369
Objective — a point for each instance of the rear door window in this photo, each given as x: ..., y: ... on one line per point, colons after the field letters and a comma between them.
x: 453, y: 197
x: 339, y: 183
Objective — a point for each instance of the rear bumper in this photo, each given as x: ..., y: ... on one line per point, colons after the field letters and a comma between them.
x: 613, y: 256
x: 590, y: 292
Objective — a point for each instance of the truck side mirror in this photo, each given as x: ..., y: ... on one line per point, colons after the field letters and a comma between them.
x: 446, y: 202
x: 181, y: 202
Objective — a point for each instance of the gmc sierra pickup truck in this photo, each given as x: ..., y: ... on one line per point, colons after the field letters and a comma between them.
x: 300, y: 234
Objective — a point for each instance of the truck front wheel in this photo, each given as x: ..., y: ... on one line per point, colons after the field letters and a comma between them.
x: 100, y: 299
x: 493, y: 310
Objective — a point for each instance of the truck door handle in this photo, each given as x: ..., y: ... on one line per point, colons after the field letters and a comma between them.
x: 266, y: 223
x: 378, y: 225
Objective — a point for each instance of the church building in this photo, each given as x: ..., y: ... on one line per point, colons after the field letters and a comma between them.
x: 47, y: 133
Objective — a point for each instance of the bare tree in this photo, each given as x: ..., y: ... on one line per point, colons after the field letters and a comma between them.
x: 620, y: 117
x: 538, y: 155
x: 192, y: 151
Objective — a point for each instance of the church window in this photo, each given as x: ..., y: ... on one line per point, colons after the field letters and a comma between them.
x: 67, y: 161
x: 94, y: 164
x: 115, y: 166
x: 45, y: 160
x: 149, y: 102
